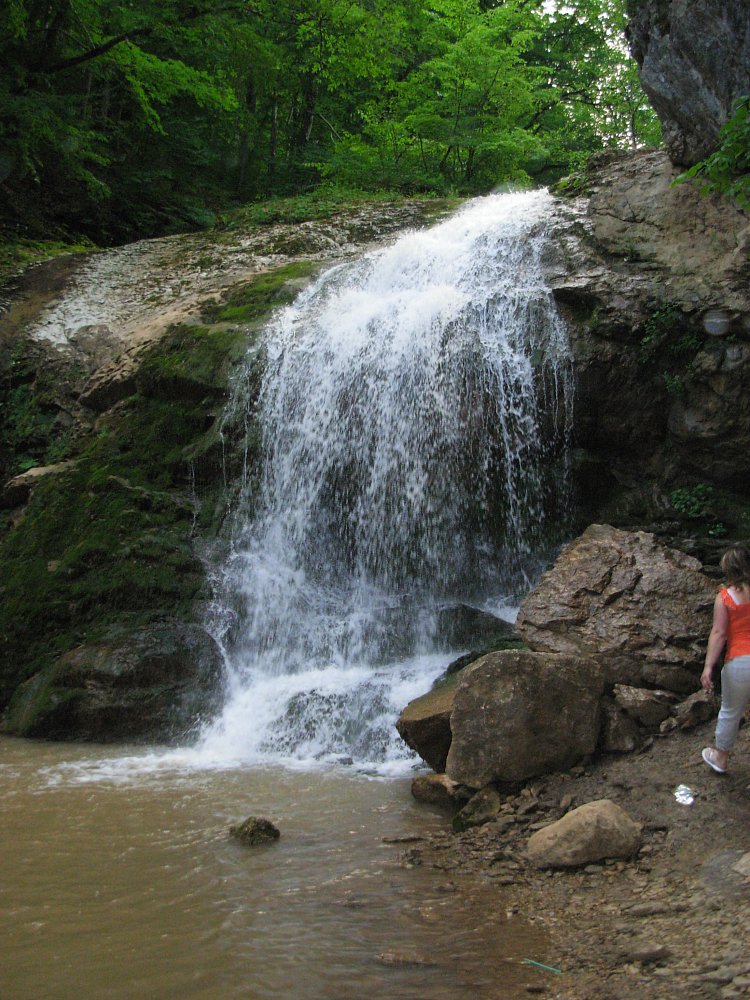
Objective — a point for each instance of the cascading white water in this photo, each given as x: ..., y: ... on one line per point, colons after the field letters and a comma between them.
x: 414, y: 411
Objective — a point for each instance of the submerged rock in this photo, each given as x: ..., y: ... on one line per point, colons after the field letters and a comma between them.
x: 255, y: 830
x: 590, y: 833
x: 517, y: 714
x: 436, y: 789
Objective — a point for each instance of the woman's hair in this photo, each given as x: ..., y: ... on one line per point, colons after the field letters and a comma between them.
x: 735, y: 565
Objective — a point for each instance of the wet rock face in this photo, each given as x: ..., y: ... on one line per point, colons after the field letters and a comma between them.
x: 694, y: 62
x: 622, y: 597
x: 151, y: 683
x: 517, y: 714
x: 424, y: 725
x: 635, y: 266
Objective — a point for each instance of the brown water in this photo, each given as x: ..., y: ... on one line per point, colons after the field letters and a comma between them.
x: 118, y: 881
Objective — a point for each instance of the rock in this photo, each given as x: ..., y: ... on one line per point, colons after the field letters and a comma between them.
x: 480, y: 809
x: 639, y: 261
x: 742, y: 867
x: 517, y: 714
x: 623, y: 597
x: 620, y: 733
x: 424, y: 725
x: 108, y: 385
x: 17, y: 491
x: 435, y: 789
x: 255, y: 830
x: 645, y: 951
x: 149, y: 683
x: 590, y: 833
x: 668, y: 676
x: 462, y: 625
x: 648, y: 708
x: 694, y: 62
x: 698, y: 708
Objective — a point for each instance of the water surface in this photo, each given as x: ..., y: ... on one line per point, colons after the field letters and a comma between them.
x: 120, y: 882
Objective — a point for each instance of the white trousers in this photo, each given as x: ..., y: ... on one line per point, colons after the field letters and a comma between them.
x: 735, y: 694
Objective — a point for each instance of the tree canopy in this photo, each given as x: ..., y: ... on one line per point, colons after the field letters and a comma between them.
x: 120, y: 120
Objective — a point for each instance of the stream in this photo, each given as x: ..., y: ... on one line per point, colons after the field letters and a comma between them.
x: 120, y: 882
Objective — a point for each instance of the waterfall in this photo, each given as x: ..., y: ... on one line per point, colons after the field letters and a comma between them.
x: 414, y: 411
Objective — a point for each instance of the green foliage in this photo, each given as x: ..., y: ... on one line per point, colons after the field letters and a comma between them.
x: 126, y: 120
x: 697, y: 503
x: 663, y: 329
x: 674, y: 384
x: 28, y: 429
x: 257, y: 297
x: 693, y: 501
x: 670, y: 345
x: 727, y: 171
x: 17, y: 254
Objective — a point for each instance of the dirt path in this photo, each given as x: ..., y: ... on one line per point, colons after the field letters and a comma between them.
x: 674, y: 921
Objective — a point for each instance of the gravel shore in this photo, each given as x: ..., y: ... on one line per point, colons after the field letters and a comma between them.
x: 672, y: 922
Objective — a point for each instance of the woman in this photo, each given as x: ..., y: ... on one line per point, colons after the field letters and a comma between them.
x: 731, y: 627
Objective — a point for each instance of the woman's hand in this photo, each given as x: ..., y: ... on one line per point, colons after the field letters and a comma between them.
x: 707, y: 680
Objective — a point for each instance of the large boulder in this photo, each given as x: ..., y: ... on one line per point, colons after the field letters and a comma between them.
x: 694, y: 62
x: 626, y: 599
x: 151, y: 683
x: 517, y: 714
x: 594, y: 831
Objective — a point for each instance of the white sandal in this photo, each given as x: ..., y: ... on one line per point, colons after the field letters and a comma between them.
x: 709, y: 755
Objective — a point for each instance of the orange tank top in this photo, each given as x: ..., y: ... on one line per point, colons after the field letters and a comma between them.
x: 738, y: 634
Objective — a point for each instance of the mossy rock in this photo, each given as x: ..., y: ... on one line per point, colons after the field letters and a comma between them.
x: 145, y: 683
x: 255, y: 831
x: 190, y: 363
x: 254, y: 300
x: 111, y: 541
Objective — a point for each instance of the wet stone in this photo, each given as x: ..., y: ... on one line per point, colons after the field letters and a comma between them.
x: 254, y: 831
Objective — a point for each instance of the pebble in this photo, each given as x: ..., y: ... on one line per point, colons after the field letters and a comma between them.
x: 648, y: 909
x: 719, y: 976
x: 645, y: 951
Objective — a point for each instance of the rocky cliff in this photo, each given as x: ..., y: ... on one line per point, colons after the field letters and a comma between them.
x: 654, y: 280
x: 694, y: 60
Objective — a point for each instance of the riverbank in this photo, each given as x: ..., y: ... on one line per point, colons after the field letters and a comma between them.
x: 673, y: 921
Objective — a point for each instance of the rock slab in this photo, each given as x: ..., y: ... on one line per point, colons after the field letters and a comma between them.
x: 424, y: 725
x: 517, y: 714
x: 590, y: 833
x: 694, y: 62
